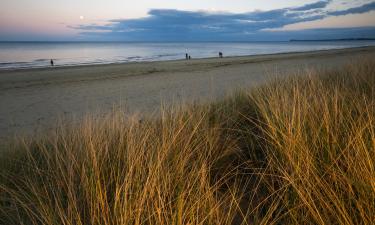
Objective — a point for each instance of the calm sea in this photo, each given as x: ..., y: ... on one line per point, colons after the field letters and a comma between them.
x: 38, y: 54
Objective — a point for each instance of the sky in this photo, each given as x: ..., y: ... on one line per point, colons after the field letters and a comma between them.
x: 181, y: 20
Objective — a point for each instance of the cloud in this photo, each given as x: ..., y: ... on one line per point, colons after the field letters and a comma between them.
x: 179, y: 25
x: 361, y: 9
x: 316, y: 5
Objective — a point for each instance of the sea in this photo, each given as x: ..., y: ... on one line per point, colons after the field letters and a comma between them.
x: 22, y: 55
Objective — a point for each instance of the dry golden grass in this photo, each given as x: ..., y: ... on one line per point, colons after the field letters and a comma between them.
x: 295, y: 151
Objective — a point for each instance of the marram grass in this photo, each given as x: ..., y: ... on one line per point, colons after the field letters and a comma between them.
x: 294, y: 151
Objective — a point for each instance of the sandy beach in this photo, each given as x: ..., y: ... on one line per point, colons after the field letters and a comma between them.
x: 33, y: 99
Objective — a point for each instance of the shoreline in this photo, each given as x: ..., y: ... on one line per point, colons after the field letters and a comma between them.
x: 34, y: 100
x: 177, y: 60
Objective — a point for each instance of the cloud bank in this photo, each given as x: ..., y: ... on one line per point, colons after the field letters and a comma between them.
x: 178, y: 25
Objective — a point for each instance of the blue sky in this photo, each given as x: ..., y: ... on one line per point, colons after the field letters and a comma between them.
x: 165, y: 20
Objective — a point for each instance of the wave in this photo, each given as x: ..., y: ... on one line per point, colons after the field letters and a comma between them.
x: 41, y: 60
x: 11, y: 63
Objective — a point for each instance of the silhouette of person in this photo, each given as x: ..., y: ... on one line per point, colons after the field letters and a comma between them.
x: 220, y: 55
x: 187, y: 56
x: 52, y: 62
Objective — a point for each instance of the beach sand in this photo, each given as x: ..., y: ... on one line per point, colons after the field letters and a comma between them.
x: 34, y: 99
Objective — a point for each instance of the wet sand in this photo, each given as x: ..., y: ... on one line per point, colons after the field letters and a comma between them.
x: 33, y: 99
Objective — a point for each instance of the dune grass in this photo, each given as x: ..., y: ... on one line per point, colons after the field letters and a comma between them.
x: 294, y: 151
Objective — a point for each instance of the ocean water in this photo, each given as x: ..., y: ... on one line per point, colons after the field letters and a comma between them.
x: 15, y: 55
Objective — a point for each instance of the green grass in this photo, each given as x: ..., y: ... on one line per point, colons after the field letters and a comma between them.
x: 294, y: 151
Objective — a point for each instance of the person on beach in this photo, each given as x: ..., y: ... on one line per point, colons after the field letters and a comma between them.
x: 51, y: 62
x: 187, y: 56
x: 220, y: 55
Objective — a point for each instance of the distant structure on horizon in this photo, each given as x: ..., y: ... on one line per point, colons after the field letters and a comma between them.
x: 339, y: 39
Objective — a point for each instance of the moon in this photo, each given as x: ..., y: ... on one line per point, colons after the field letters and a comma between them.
x: 81, y: 17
